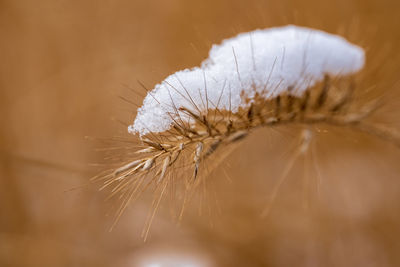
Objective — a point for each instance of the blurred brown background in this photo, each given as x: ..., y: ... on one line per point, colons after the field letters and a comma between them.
x: 63, y: 65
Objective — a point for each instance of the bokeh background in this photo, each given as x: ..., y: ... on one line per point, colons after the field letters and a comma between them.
x: 63, y: 66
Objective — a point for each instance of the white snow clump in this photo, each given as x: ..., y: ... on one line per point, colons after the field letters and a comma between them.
x: 270, y: 61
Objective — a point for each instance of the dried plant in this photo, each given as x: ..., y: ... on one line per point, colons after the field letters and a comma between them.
x: 193, y: 131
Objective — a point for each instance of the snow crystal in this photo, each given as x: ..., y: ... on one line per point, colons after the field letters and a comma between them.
x: 270, y: 60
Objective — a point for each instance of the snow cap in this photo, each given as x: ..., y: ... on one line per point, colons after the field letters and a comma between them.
x: 270, y: 60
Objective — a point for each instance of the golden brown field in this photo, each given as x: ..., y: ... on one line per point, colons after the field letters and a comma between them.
x: 64, y: 65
